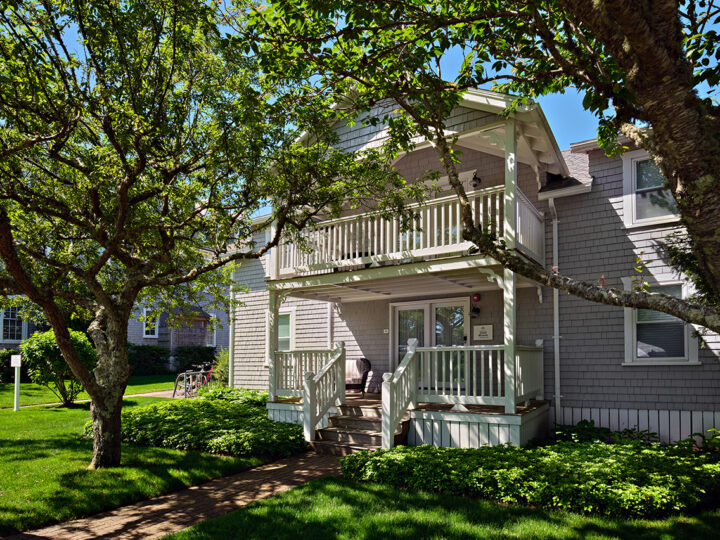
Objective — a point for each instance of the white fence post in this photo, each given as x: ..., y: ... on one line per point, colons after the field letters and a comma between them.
x: 388, y: 405
x: 309, y: 406
x: 413, y: 375
x: 341, y: 373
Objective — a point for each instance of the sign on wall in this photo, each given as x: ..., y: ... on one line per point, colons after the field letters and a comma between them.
x: 483, y: 332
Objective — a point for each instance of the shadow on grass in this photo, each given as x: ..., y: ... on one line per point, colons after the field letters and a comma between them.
x: 332, y: 508
x: 61, y: 496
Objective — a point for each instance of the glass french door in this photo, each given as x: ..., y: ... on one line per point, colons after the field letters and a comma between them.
x: 433, y: 324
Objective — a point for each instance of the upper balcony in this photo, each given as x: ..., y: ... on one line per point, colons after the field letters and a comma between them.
x: 366, y: 239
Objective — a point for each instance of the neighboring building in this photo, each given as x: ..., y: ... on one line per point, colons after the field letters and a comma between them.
x: 198, y: 333
x: 13, y: 329
x: 481, y: 331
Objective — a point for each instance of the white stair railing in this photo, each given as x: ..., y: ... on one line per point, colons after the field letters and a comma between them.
x: 323, y: 390
x: 529, y: 373
x: 398, y: 393
x: 291, y: 366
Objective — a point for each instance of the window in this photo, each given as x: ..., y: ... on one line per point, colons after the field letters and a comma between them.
x: 653, y: 337
x: 284, y: 332
x: 645, y: 200
x: 12, y: 325
x: 150, y: 327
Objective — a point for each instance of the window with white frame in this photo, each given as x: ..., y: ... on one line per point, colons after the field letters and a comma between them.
x: 150, y: 326
x: 286, y: 330
x: 645, y: 201
x: 12, y: 324
x: 654, y: 337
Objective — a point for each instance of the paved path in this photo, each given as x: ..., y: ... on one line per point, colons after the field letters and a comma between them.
x: 176, y: 511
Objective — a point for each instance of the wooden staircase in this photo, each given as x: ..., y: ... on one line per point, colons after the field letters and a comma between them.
x: 356, y: 427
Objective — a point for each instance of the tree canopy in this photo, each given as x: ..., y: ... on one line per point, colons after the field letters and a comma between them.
x: 135, y: 148
x: 647, y: 69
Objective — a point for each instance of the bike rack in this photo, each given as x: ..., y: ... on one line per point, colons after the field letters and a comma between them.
x: 190, y: 381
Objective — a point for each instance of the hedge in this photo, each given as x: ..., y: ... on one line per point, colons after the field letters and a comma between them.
x: 190, y: 355
x: 629, y: 480
x: 214, y: 426
x: 238, y: 395
x: 148, y: 359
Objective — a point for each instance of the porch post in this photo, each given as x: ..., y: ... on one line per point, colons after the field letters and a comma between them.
x: 510, y: 219
x: 271, y: 320
x: 341, y: 373
x: 509, y: 312
x: 274, y: 270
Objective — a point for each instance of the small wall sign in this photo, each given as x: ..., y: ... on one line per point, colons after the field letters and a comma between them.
x: 483, y: 332
x: 15, y: 360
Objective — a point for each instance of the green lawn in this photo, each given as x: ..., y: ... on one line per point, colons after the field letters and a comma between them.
x: 337, y: 508
x: 33, y: 394
x: 43, y: 476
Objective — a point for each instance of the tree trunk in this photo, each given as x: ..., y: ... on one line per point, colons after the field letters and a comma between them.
x: 109, y: 334
x: 107, y: 447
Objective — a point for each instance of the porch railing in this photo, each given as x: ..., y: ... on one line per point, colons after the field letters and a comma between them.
x: 367, y: 238
x: 323, y: 390
x: 469, y: 375
x: 291, y: 367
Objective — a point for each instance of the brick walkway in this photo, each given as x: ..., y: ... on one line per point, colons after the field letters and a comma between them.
x: 176, y: 511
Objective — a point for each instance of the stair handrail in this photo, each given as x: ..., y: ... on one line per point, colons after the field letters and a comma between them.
x: 323, y: 390
x: 399, y: 391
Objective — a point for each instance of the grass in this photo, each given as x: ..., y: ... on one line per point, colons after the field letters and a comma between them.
x: 34, y: 394
x: 43, y: 476
x: 338, y: 508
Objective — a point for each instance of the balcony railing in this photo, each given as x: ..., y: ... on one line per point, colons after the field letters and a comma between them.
x: 368, y: 238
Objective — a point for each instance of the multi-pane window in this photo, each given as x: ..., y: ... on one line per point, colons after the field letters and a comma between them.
x: 657, y: 334
x: 11, y: 325
x: 646, y: 199
x: 150, y: 326
x: 654, y: 337
x: 284, y: 332
x: 651, y: 199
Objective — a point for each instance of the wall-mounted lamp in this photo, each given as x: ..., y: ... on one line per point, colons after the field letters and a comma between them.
x: 476, y: 180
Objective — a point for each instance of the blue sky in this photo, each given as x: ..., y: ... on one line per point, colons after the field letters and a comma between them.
x: 568, y: 120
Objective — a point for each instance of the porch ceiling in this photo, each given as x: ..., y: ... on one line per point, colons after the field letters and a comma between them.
x: 344, y: 287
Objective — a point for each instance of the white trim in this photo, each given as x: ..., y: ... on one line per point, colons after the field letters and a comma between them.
x: 629, y: 159
x: 144, y: 329
x: 291, y: 312
x: 630, y: 332
x: 23, y: 327
x: 429, y: 321
x: 565, y: 192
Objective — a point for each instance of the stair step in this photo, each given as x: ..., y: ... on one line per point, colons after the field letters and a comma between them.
x: 356, y: 422
x: 361, y: 437
x: 369, y: 411
x: 338, y: 449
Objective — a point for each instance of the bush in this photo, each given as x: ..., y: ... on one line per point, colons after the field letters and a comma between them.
x: 586, y: 431
x: 634, y: 479
x: 190, y: 355
x: 7, y: 373
x: 215, y: 426
x: 221, y: 369
x: 236, y: 395
x: 47, y: 366
x: 148, y: 359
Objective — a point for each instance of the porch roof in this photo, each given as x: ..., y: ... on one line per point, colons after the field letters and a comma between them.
x: 411, y: 280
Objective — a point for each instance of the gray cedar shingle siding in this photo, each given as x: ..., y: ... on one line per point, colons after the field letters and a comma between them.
x: 593, y: 241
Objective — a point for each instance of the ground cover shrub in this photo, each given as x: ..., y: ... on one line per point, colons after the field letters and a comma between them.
x: 214, y: 426
x: 587, y: 431
x: 629, y: 480
x: 238, y: 395
x: 47, y: 366
x: 148, y: 359
x: 188, y: 356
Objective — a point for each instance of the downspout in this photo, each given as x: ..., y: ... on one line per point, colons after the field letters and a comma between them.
x: 556, y: 311
x: 231, y: 347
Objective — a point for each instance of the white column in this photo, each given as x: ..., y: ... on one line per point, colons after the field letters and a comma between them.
x: 274, y: 254
x: 308, y: 401
x: 388, y: 406
x: 231, y: 346
x: 510, y: 219
x: 509, y: 316
x: 271, y: 332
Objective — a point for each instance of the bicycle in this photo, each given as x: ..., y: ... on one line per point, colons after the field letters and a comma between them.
x: 190, y: 381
